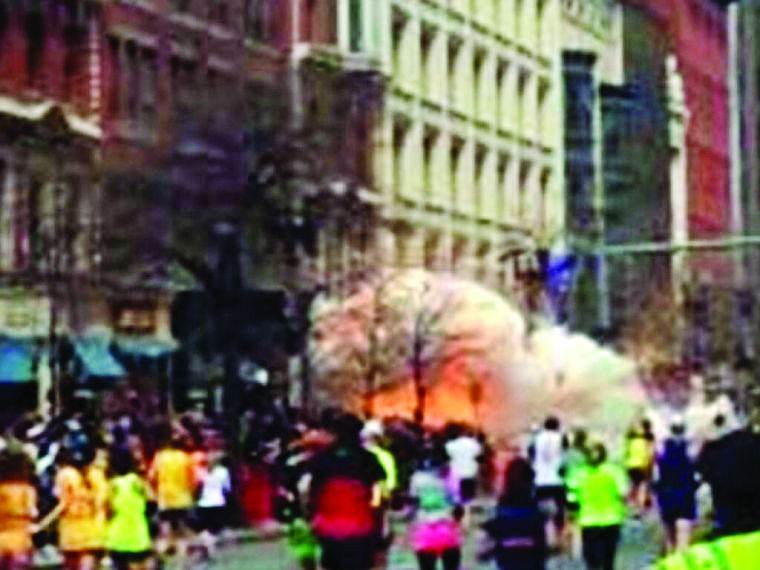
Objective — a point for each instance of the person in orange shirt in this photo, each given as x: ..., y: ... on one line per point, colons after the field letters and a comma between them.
x: 18, y: 509
x: 82, y: 490
x: 173, y: 476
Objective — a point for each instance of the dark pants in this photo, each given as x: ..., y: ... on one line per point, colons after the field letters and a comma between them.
x: 451, y: 559
x: 556, y: 496
x: 599, y: 546
x: 354, y: 553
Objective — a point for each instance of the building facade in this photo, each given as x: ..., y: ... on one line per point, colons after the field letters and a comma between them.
x: 466, y: 154
x: 591, y: 57
x: 666, y: 151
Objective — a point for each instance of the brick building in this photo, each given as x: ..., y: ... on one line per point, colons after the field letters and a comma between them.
x: 666, y: 162
x: 129, y: 130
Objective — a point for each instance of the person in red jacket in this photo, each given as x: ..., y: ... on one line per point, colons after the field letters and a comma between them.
x: 344, y: 483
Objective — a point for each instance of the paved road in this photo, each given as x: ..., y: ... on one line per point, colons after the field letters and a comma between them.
x: 638, y: 549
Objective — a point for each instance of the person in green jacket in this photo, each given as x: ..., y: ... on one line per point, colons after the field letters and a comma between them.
x: 128, y: 534
x: 601, y: 489
x: 735, y: 552
x: 574, y: 463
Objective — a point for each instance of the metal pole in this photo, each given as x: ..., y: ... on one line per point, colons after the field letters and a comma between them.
x: 295, y: 65
x: 734, y: 110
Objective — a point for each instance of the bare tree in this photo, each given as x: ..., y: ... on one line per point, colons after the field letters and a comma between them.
x: 391, y: 329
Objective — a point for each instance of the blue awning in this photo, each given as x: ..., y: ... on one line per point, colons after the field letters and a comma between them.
x: 146, y: 346
x: 16, y: 360
x: 96, y: 359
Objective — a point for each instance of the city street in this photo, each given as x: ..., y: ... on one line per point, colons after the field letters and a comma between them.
x: 263, y: 260
x: 637, y: 551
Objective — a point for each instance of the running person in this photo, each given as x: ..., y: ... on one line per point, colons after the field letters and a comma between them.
x: 434, y: 533
x: 601, y: 490
x: 82, y: 492
x: 675, y: 488
x: 173, y: 475
x: 517, y: 534
x: 345, y: 479
x: 18, y: 508
x: 128, y: 536
x: 548, y: 451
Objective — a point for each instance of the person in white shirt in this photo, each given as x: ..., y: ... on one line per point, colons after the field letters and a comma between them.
x: 216, y: 487
x: 547, y: 455
x: 463, y: 452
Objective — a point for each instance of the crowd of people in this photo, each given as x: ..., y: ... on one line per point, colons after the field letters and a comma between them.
x: 132, y: 489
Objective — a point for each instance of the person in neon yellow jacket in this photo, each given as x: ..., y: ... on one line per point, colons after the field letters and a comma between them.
x: 600, y: 488
x: 736, y: 552
x: 372, y: 435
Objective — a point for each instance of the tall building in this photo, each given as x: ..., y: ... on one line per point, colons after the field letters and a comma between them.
x: 591, y: 57
x: 313, y: 100
x: 744, y: 30
x: 667, y: 153
x: 49, y: 184
x: 154, y: 146
x: 466, y: 155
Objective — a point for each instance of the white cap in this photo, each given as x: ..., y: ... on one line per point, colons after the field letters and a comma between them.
x: 372, y: 428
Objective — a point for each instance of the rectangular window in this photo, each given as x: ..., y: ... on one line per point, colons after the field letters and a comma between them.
x: 149, y: 91
x: 481, y: 153
x: 543, y: 118
x: 426, y: 48
x: 502, y: 99
x: 429, y: 142
x: 502, y: 185
x: 355, y: 23
x: 399, y: 145
x: 397, y: 48
x: 479, y: 85
x: 223, y: 13
x: 35, y: 34
x: 523, y: 102
x: 114, y: 87
x: 523, y: 205
x: 455, y: 157
x: 258, y: 20
x: 74, y: 65
x: 181, y: 5
x: 132, y: 78
x: 454, y: 52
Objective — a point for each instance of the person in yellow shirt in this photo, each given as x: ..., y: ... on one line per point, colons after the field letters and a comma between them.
x: 639, y: 461
x: 735, y: 552
x: 82, y: 490
x: 18, y: 508
x: 173, y: 476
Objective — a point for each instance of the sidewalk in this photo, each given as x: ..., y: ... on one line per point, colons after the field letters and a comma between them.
x: 50, y: 557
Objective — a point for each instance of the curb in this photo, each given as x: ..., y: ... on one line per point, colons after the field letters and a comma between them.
x: 232, y: 538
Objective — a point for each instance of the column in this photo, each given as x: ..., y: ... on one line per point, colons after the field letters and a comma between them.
x: 344, y: 31
x: 386, y: 246
x: 416, y: 248
x: 6, y: 216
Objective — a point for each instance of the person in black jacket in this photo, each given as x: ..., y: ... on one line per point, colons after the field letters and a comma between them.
x: 516, y: 537
x: 729, y: 465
